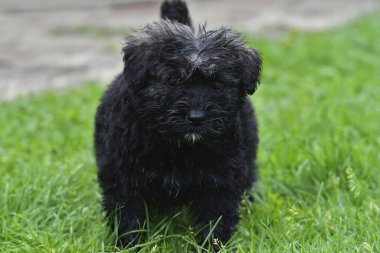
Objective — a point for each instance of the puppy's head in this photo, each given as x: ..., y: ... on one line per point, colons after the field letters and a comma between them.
x: 189, y: 85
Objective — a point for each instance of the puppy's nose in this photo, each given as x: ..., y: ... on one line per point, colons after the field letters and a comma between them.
x: 196, y: 117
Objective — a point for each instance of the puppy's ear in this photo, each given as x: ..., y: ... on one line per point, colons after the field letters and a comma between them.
x: 251, y: 64
x: 137, y: 55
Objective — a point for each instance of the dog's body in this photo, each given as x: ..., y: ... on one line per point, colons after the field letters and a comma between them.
x: 177, y: 127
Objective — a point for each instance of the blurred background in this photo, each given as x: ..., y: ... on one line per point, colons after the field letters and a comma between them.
x: 55, y: 44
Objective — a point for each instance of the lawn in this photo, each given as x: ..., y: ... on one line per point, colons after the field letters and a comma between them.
x: 319, y: 113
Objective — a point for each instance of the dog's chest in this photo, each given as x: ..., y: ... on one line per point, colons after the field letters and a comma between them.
x: 176, y: 173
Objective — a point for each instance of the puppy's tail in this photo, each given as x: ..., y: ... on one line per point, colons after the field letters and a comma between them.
x: 176, y: 10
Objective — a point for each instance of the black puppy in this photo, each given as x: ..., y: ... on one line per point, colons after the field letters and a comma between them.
x: 176, y: 127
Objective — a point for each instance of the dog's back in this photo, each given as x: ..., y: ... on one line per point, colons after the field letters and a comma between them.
x: 176, y: 11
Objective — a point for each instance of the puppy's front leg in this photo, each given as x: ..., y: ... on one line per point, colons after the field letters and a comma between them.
x: 217, y: 204
x: 126, y: 212
x: 132, y: 216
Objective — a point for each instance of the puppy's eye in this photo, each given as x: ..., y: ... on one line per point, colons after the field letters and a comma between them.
x: 173, y: 82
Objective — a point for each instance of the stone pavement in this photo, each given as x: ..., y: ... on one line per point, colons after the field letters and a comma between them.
x: 55, y: 44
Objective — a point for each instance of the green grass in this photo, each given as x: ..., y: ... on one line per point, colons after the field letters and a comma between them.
x: 318, y: 108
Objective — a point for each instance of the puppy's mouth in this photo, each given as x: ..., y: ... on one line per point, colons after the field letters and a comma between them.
x: 179, y: 129
x: 193, y: 137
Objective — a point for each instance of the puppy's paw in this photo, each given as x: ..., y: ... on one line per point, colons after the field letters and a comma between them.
x: 127, y: 240
x: 210, y: 241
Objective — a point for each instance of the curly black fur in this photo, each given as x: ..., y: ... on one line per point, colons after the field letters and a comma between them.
x: 176, y: 127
